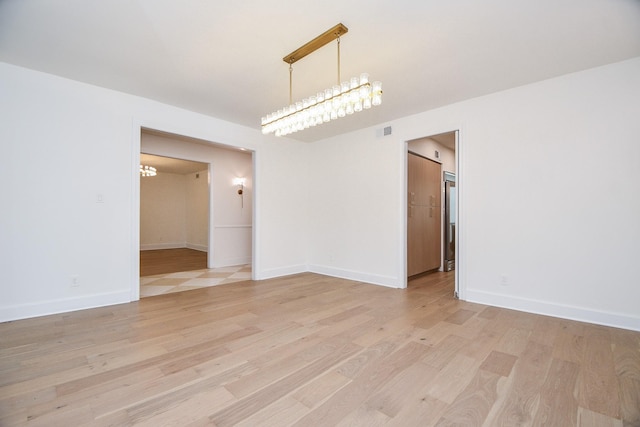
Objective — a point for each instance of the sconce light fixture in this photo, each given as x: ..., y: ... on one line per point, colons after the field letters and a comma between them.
x: 239, y: 182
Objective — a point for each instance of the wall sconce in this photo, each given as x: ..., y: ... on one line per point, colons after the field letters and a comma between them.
x: 239, y: 182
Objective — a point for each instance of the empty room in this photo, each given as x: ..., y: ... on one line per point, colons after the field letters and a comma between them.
x: 404, y: 213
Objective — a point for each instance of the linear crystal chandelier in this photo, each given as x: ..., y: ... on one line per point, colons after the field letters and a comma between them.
x: 344, y: 98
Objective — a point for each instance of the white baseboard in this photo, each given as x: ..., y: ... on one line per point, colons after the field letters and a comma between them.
x: 563, y: 311
x: 374, y: 279
x: 230, y: 262
x: 195, y: 247
x: 45, y: 308
x: 156, y: 246
x: 281, y: 271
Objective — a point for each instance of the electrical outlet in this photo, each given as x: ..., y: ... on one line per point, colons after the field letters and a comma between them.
x: 503, y: 280
x: 75, y: 281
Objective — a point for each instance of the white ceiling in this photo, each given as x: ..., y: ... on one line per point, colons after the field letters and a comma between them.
x: 224, y: 58
x: 446, y: 139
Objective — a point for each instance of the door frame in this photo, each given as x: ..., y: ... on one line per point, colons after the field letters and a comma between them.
x: 459, y: 272
x: 136, y: 134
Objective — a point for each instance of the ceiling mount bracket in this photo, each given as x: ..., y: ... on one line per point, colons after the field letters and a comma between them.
x: 328, y: 36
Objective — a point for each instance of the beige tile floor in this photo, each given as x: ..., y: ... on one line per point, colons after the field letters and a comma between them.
x: 187, y: 280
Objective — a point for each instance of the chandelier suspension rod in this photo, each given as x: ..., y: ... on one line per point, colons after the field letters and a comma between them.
x: 290, y: 83
x: 338, y: 39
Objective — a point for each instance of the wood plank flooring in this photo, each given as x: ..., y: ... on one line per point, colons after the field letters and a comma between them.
x: 309, y: 350
x: 163, y: 261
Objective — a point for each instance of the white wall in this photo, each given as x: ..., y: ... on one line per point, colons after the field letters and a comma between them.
x: 355, y: 205
x: 197, y: 211
x: 163, y: 211
x: 174, y: 211
x: 548, y: 190
x: 232, y: 213
x: 69, y: 156
x: 282, y: 193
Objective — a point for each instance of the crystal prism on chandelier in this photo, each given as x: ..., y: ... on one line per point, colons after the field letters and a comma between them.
x: 347, y: 98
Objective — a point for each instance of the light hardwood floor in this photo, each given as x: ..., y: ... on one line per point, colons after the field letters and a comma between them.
x: 309, y: 350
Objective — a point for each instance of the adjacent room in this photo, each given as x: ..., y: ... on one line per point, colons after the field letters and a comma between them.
x: 195, y: 217
x: 409, y: 213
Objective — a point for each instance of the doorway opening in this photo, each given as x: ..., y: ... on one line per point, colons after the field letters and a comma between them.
x: 174, y: 221
x: 432, y: 211
x: 195, y: 216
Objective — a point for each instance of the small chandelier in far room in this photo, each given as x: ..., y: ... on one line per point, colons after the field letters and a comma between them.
x: 147, y: 171
x: 344, y: 98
